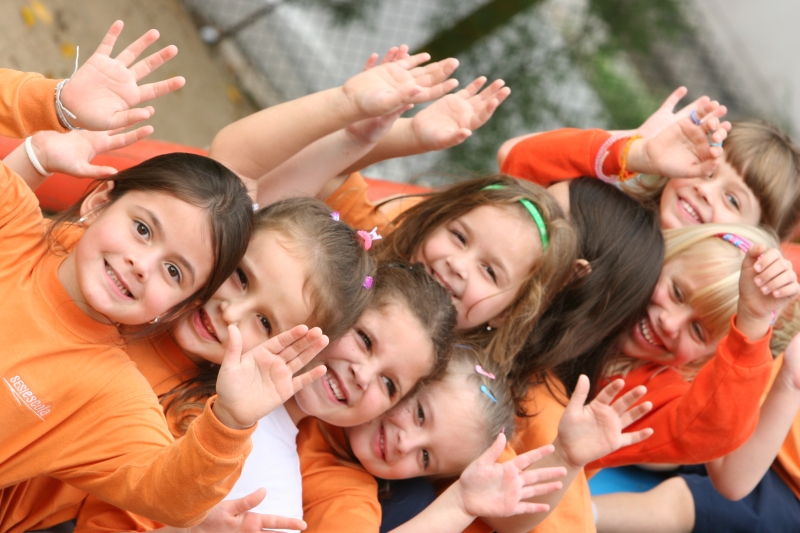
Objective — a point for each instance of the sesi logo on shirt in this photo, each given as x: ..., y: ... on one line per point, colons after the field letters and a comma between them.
x: 26, y: 397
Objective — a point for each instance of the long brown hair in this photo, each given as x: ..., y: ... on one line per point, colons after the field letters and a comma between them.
x: 623, y: 244
x: 199, y: 181
x: 549, y: 274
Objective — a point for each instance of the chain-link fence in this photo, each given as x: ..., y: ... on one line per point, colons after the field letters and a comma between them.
x: 581, y: 63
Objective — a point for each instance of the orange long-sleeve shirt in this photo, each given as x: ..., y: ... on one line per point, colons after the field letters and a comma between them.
x: 702, y: 420
x: 72, y: 405
x: 27, y: 104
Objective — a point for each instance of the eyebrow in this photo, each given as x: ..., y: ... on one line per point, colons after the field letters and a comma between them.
x: 160, y: 227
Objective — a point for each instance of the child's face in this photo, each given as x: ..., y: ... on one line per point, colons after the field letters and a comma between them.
x: 481, y: 258
x: 725, y: 197
x: 436, y: 432
x: 263, y: 297
x: 140, y: 256
x: 672, y: 333
x: 370, y: 368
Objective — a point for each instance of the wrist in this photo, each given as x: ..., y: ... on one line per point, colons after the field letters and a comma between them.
x: 638, y: 162
x: 459, y: 500
x: 752, y: 324
x: 344, y: 104
x: 562, y: 457
x: 37, y: 156
x: 226, y: 418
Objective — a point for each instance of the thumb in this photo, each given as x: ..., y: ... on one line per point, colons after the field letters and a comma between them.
x: 233, y: 354
x: 95, y: 171
x: 491, y: 455
x: 752, y: 255
x: 244, y: 504
x: 125, y: 119
x: 580, y: 393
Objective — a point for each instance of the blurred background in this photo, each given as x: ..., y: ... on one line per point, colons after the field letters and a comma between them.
x: 581, y: 63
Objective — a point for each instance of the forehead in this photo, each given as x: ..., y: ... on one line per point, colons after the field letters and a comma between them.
x: 277, y: 278
x: 400, y: 342
x: 456, y: 429
x: 504, y: 231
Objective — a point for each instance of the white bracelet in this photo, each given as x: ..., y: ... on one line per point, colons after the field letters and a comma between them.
x: 62, y: 111
x: 602, y: 154
x: 34, y: 161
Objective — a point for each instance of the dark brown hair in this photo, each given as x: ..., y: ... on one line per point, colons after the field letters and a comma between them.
x: 549, y: 274
x: 579, y: 332
x: 199, y: 181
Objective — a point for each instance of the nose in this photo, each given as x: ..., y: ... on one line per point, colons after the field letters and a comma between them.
x: 672, y: 320
x: 142, y: 264
x: 409, y: 440
x: 230, y: 312
x: 705, y: 188
x: 363, y: 374
x: 457, y: 264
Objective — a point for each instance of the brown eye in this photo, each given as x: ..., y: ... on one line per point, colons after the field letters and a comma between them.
x: 142, y: 229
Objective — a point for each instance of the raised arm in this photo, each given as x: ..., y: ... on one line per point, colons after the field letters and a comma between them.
x: 257, y: 144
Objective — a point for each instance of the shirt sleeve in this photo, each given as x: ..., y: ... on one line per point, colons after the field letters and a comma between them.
x: 699, y: 421
x: 147, y: 469
x: 27, y: 104
x: 97, y: 516
x: 562, y: 154
x: 355, y: 207
x: 21, y: 221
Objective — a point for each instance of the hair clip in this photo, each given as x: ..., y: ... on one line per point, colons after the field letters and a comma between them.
x: 488, y: 393
x: 369, y: 237
x: 367, y: 282
x: 479, y: 369
x: 335, y: 216
x: 739, y: 242
x: 255, y: 207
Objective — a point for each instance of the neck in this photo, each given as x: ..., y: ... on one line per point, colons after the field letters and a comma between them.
x: 295, y: 413
x: 68, y: 276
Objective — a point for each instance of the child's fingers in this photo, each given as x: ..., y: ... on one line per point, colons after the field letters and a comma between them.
x: 94, y: 171
x: 437, y: 91
x: 780, y: 286
x: 282, y: 340
x: 107, y: 44
x: 628, y: 399
x: 540, y: 489
x: 531, y: 508
x: 609, y: 392
x: 121, y: 140
x: 435, y: 73
x: 629, y: 417
x: 580, y: 393
x: 537, y: 475
x: 244, y: 504
x: 752, y: 258
x: 269, y: 521
x: 411, y: 62
x: 472, y: 89
x: 160, y: 88
x: 372, y: 60
x: 491, y: 455
x: 635, y: 437
x: 306, y: 378
x: 126, y: 119
x: 686, y: 110
x: 233, y: 355
x: 673, y: 99
x: 526, y: 459
x: 305, y: 356
x: 129, y: 55
x: 153, y: 61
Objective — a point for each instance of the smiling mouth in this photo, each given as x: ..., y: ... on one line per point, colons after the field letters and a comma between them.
x: 206, y: 321
x: 113, y: 275
x: 337, y: 391
x: 382, y: 442
x: 647, y: 334
x: 443, y: 283
x: 689, y: 209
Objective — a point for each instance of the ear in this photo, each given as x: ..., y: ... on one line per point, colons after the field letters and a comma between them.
x: 582, y: 267
x: 97, y: 199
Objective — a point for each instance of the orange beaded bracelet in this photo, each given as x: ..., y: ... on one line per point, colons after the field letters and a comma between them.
x: 624, y: 175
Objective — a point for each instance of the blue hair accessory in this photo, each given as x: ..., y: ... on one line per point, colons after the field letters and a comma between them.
x: 528, y: 205
x: 488, y: 393
x: 718, y: 145
x: 694, y: 118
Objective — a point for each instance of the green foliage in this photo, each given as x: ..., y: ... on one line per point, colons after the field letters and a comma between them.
x: 634, y: 25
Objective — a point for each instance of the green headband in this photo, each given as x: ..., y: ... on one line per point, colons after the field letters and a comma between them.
x: 528, y: 205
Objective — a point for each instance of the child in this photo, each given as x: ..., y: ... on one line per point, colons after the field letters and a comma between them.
x: 123, y: 267
x: 437, y: 433
x: 756, y: 181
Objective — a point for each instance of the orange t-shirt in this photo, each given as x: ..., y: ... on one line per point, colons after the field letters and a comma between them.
x: 27, y: 104
x: 702, y: 420
x: 337, y: 497
x: 73, y: 406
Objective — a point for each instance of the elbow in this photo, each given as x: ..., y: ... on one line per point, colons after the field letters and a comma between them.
x: 503, y: 152
x: 734, y: 494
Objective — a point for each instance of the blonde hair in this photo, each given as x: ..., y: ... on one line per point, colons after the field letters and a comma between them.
x: 718, y: 263
x: 535, y: 293
x: 768, y: 161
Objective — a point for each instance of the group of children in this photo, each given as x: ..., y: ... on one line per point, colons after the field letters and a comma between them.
x: 458, y: 360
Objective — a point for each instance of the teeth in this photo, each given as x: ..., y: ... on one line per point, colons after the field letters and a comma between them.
x: 383, y: 447
x: 113, y: 276
x: 646, y: 331
x: 335, y: 388
x: 690, y: 210
x: 207, y: 323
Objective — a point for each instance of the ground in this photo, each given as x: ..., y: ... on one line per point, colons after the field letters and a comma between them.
x: 41, y: 36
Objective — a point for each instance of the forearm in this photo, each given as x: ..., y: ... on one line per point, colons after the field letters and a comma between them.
x: 18, y: 161
x: 27, y: 104
x: 256, y: 144
x: 400, y: 141
x: 737, y: 474
x: 307, y: 172
x: 445, y: 515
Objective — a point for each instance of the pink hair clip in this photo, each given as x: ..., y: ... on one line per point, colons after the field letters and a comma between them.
x: 335, y: 216
x: 739, y: 242
x: 479, y: 369
x: 369, y: 237
x: 367, y: 282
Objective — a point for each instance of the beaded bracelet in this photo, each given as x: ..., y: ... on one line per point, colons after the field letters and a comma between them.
x: 602, y: 154
x: 623, y: 174
x: 34, y: 160
x: 62, y: 111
